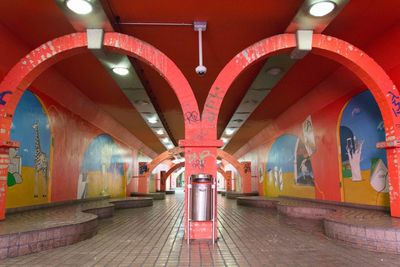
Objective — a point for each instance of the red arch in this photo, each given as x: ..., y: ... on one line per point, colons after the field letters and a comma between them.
x: 41, y: 58
x: 378, y: 82
x: 169, y: 154
x: 182, y: 165
x: 174, y: 168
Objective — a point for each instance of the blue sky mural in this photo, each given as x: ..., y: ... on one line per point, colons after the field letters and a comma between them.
x: 282, y: 153
x: 103, y: 150
x: 29, y: 110
x: 362, y: 120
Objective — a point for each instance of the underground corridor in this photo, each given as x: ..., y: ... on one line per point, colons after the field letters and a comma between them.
x: 175, y: 133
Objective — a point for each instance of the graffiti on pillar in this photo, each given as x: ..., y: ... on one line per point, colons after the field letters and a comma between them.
x: 211, y: 105
x: 364, y: 167
x: 197, y: 160
x: 2, y: 95
x: 395, y: 103
x: 192, y: 117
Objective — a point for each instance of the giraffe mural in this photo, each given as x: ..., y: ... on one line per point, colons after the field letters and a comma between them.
x: 41, y: 164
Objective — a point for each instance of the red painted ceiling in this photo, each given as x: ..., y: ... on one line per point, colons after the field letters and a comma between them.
x: 232, y: 26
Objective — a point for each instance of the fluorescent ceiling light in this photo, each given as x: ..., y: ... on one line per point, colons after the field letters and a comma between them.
x: 80, y: 7
x: 170, y: 146
x: 152, y: 120
x: 321, y: 9
x: 121, y: 71
x: 160, y: 132
x: 274, y: 71
x: 225, y: 140
x: 229, y: 131
x: 165, y: 140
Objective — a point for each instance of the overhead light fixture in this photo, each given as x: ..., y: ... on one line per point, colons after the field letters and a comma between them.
x: 165, y: 140
x: 274, y: 71
x: 152, y: 120
x: 322, y: 8
x: 170, y: 146
x: 81, y: 7
x: 229, y: 131
x: 160, y: 132
x: 225, y: 140
x: 121, y: 71
x: 142, y: 102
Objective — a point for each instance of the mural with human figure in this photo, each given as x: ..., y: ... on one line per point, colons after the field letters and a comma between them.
x: 29, y: 169
x: 289, y: 170
x: 364, y: 167
x: 103, y: 170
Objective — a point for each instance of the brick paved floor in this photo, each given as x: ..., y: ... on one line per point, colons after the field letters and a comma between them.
x: 152, y: 236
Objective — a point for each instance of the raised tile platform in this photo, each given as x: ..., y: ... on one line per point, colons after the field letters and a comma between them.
x: 132, y: 202
x: 154, y: 196
x: 234, y: 195
x: 373, y: 230
x: 47, y: 227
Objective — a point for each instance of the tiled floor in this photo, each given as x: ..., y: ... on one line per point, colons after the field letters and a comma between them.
x: 152, y: 236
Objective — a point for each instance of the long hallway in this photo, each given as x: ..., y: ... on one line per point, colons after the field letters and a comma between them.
x: 153, y: 236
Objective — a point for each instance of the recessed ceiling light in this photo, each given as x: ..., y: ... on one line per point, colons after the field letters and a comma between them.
x: 274, y: 71
x: 225, y: 140
x: 321, y: 8
x: 165, y: 140
x: 170, y: 146
x: 160, y: 132
x: 81, y: 7
x: 152, y: 120
x: 142, y: 102
x: 121, y: 71
x: 229, y: 131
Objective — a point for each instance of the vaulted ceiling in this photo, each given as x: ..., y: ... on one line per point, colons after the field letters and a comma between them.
x: 232, y: 26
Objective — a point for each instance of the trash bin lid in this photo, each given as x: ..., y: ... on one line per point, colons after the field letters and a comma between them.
x: 201, y: 178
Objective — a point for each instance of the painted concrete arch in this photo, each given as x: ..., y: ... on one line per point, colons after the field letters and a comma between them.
x: 38, y: 60
x: 364, y: 67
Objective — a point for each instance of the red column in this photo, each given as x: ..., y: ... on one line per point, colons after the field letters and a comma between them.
x: 143, y: 186
x: 163, y: 180
x: 229, y: 181
x: 246, y: 180
x: 4, y: 160
x: 200, y: 158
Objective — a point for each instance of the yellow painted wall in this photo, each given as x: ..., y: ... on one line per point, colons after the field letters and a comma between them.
x: 23, y: 194
x: 108, y: 184
x: 289, y: 188
x: 362, y: 192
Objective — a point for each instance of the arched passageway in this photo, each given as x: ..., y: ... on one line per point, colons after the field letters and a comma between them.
x: 36, y: 62
x: 363, y: 66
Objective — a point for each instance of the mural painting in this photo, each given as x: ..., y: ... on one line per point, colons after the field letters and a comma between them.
x: 103, y: 170
x: 364, y: 167
x: 289, y: 171
x: 29, y: 169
